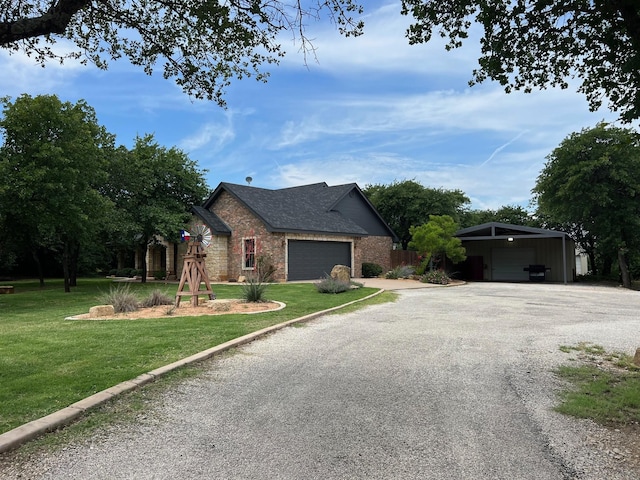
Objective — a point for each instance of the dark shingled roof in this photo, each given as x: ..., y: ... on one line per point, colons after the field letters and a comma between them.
x: 305, y: 209
x: 217, y: 226
x: 496, y: 229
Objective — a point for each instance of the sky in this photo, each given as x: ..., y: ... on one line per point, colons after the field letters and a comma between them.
x: 370, y: 110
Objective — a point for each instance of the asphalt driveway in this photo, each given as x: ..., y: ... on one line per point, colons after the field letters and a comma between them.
x: 446, y: 383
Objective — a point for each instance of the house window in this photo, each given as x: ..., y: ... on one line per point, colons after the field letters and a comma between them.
x: 248, y: 253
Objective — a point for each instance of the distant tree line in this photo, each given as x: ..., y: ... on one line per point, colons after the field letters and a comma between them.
x: 70, y: 199
x: 406, y: 204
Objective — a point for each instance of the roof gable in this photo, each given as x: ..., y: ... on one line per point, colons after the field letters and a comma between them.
x: 491, y: 230
x: 217, y: 226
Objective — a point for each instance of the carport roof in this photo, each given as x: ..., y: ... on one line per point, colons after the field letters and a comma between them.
x: 495, y: 230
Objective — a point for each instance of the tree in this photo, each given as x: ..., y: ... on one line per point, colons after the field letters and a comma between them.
x: 203, y: 44
x: 436, y: 240
x: 529, y: 44
x: 407, y: 203
x: 592, y: 183
x: 51, y: 163
x: 153, y: 188
x: 511, y: 214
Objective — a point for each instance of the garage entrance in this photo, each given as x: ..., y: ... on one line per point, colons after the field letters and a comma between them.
x: 509, y: 249
x: 508, y: 264
x: 312, y: 260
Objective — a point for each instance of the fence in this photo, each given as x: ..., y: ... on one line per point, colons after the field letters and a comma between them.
x: 403, y: 257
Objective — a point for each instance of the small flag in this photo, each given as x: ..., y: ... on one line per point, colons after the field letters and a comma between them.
x: 185, y: 236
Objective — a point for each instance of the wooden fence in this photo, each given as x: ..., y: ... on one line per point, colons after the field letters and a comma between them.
x: 403, y: 257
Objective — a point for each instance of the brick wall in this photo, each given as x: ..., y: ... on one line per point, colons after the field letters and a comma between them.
x: 216, y: 260
x: 373, y: 250
x: 244, y: 224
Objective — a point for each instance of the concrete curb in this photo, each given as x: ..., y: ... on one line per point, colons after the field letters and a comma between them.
x: 14, y: 438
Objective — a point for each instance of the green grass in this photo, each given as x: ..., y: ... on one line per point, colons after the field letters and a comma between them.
x: 48, y: 363
x: 605, y: 388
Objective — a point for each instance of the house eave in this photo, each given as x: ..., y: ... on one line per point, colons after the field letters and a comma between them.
x: 317, y: 232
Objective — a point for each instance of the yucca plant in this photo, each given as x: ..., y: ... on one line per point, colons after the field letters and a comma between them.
x: 122, y: 299
x: 253, y: 289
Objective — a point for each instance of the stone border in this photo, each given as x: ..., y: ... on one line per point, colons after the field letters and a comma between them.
x: 14, y: 438
x: 213, y: 313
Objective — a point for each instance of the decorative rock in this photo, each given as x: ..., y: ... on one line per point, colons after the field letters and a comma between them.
x: 101, y: 311
x: 341, y: 272
x: 220, y: 305
x: 242, y: 279
x: 636, y: 358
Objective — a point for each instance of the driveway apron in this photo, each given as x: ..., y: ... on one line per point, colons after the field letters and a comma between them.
x: 445, y: 383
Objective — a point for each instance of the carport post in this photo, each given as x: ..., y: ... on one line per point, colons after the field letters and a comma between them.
x: 564, y: 258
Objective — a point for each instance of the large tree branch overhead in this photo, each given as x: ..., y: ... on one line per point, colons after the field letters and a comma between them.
x: 54, y: 20
x: 202, y: 44
x: 532, y: 44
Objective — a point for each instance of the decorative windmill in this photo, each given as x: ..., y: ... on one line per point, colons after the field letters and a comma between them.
x: 194, y: 270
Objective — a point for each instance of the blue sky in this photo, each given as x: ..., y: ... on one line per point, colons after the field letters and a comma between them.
x: 371, y: 110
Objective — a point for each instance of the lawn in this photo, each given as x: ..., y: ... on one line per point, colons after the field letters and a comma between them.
x: 605, y: 386
x: 48, y: 363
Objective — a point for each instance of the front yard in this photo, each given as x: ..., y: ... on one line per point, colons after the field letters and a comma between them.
x: 47, y: 362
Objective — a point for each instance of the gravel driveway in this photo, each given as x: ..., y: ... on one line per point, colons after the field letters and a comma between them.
x: 446, y: 383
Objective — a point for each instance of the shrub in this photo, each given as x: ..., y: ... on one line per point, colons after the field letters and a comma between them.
x: 265, y: 267
x: 401, y: 271
x: 253, y: 290
x: 121, y: 298
x: 436, y: 276
x: 123, y: 272
x: 160, y: 274
x: 156, y: 298
x: 113, y: 272
x: 422, y: 268
x: 371, y: 270
x: 332, y: 285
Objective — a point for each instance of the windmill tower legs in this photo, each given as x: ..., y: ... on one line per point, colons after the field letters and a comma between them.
x: 194, y: 273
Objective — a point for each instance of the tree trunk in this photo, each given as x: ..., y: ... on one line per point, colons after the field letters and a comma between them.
x: 624, y: 268
x: 143, y: 261
x: 607, y: 263
x: 65, y: 267
x: 121, y: 259
x: 73, y: 263
x: 36, y: 258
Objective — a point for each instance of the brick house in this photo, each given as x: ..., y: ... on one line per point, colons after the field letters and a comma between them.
x: 304, y: 231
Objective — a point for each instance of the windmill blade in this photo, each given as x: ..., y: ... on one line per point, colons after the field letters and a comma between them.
x: 203, y: 235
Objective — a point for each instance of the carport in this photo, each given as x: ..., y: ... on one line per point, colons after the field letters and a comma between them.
x: 515, y: 253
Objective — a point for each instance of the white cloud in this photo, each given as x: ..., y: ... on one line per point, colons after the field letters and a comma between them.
x: 482, y: 141
x: 530, y: 117
x: 212, y: 136
x: 21, y: 74
x: 383, y: 47
x: 338, y: 169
